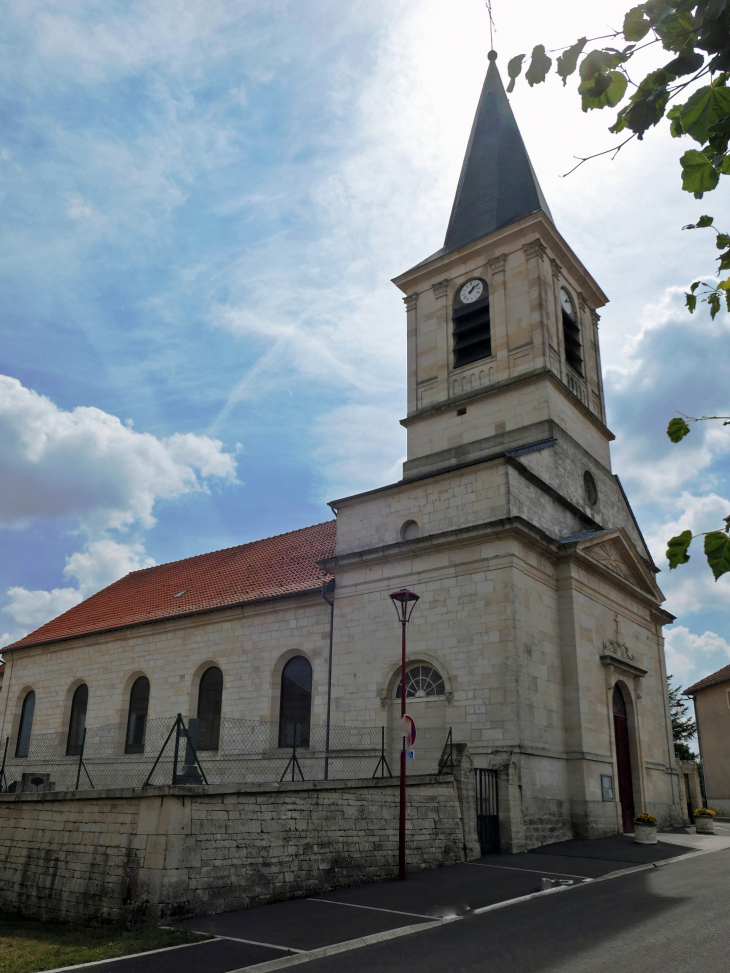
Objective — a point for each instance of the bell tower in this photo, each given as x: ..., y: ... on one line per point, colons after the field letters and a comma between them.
x: 502, y: 326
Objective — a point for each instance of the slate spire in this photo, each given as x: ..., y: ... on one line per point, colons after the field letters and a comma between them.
x: 497, y: 185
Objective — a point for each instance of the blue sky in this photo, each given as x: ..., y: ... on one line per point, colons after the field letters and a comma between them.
x: 201, y: 208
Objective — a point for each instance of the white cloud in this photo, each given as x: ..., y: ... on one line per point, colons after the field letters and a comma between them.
x: 99, y: 564
x: 89, y: 469
x: 359, y: 448
x: 692, y: 657
x: 87, y: 466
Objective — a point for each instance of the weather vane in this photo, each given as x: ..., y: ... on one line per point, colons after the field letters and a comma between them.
x: 492, y: 28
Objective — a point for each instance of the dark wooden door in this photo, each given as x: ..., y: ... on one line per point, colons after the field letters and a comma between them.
x: 623, y: 759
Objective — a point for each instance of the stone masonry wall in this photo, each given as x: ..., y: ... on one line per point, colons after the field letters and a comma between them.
x: 171, y: 852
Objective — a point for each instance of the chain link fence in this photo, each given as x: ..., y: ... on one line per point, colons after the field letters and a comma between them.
x: 173, y: 751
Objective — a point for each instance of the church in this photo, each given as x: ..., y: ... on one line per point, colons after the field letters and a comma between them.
x: 537, y: 637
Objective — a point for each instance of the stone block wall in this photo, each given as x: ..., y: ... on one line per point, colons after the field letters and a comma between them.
x: 166, y: 852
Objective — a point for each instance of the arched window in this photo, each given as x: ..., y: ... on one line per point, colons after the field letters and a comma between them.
x: 470, y: 316
x: 26, y: 725
x: 77, y: 722
x: 139, y: 702
x: 422, y: 681
x: 210, y: 700
x: 571, y: 332
x: 296, y: 703
x: 619, y: 703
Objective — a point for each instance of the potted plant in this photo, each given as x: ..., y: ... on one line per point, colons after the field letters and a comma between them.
x: 704, y: 820
x: 645, y: 829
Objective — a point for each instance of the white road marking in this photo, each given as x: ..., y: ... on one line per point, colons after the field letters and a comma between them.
x: 373, y: 908
x: 116, y: 959
x: 349, y: 944
x: 254, y: 942
x: 537, y: 871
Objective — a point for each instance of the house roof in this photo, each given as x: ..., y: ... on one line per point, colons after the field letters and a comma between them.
x: 497, y: 185
x: 269, y: 568
x: 722, y: 675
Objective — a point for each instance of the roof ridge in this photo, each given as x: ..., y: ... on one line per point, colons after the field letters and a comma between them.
x: 221, y: 550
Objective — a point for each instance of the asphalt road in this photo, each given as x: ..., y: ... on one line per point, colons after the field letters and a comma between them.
x: 672, y: 919
x: 491, y: 915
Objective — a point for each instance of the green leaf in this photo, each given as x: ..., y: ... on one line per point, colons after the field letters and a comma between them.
x: 698, y: 174
x: 539, y: 66
x: 675, y: 125
x: 703, y: 109
x: 603, y: 90
x: 722, y: 241
x: 677, y: 548
x: 678, y: 428
x: 514, y: 67
x: 727, y: 522
x: 635, y: 27
x: 685, y: 64
x: 724, y: 285
x: 695, y: 285
x: 647, y: 104
x: 704, y: 221
x: 713, y: 300
x: 690, y: 302
x: 725, y: 165
x: 717, y: 549
x: 566, y: 63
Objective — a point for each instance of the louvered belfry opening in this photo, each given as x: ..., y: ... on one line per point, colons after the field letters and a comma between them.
x: 571, y: 334
x: 472, y: 332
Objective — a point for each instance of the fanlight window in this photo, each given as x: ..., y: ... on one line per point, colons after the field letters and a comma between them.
x: 26, y: 725
x: 210, y: 701
x: 77, y: 723
x: 139, y: 702
x: 296, y: 703
x: 422, y: 681
x: 619, y: 703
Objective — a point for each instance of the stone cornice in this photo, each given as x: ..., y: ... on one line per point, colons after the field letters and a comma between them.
x: 171, y: 621
x: 421, y: 276
x: 539, y: 373
x: 616, y: 662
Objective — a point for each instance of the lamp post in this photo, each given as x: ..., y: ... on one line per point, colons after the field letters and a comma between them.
x: 404, y: 601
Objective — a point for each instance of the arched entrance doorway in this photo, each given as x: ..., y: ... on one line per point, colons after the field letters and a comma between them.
x: 623, y: 759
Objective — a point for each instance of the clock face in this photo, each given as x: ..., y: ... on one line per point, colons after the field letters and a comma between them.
x: 471, y: 291
x: 566, y: 303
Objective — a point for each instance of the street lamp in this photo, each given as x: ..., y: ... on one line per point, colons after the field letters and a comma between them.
x: 404, y: 601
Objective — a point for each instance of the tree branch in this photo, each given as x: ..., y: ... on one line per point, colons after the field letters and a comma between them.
x: 616, y: 149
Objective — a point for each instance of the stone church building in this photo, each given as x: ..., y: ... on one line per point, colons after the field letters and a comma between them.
x: 538, y: 634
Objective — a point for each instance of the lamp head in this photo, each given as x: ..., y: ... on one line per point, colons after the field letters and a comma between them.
x: 404, y: 601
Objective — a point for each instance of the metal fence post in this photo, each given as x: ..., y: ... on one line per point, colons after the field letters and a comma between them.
x: 157, y: 758
x: 81, y: 760
x: 178, y: 720
x: 382, y: 764
x: 2, y: 769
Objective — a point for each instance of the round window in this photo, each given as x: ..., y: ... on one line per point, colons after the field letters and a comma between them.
x: 590, y: 489
x: 409, y: 531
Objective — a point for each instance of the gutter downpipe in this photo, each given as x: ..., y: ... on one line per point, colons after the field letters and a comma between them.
x: 329, y: 587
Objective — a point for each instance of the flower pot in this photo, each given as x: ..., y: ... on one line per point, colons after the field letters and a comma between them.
x: 704, y: 824
x: 645, y: 834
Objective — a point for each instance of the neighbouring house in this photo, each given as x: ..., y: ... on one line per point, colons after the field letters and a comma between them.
x: 711, y: 698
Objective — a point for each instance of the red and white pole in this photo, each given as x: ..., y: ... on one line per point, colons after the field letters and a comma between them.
x: 402, y: 819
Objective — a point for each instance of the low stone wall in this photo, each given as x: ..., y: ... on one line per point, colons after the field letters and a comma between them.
x: 169, y: 852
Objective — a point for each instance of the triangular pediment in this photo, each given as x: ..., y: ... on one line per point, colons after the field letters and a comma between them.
x: 615, y: 551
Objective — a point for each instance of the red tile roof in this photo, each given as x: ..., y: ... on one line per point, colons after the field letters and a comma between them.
x: 722, y: 675
x: 270, y: 568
